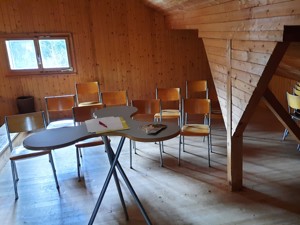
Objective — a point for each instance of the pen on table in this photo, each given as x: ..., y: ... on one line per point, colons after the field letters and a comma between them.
x: 102, y: 124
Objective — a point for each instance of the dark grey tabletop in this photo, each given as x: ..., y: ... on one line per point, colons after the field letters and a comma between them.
x: 62, y: 137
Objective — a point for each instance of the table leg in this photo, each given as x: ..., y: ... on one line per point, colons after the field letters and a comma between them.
x: 110, y: 158
x: 115, y: 163
x: 134, y: 195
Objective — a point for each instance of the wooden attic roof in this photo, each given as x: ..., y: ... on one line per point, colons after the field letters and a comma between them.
x: 244, y: 42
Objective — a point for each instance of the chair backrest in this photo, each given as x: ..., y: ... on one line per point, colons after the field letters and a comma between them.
x: 83, y: 113
x: 87, y: 92
x: 146, y: 109
x: 26, y: 122
x: 196, y: 89
x: 59, y: 107
x: 114, y: 98
x: 293, y: 101
x: 196, y: 106
x: 170, y: 98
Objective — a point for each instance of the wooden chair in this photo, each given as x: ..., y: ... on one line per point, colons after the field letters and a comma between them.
x: 196, y: 89
x: 297, y: 86
x: 170, y: 103
x: 293, y: 109
x: 81, y: 114
x: 198, y: 107
x: 87, y: 93
x: 146, y: 109
x: 59, y: 110
x: 114, y: 98
x: 296, y: 91
x: 28, y: 122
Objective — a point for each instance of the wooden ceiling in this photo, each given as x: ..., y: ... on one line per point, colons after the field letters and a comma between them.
x: 290, y: 65
x: 174, y: 6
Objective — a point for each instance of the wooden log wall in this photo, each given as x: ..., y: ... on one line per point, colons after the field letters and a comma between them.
x: 253, y: 28
x: 121, y: 43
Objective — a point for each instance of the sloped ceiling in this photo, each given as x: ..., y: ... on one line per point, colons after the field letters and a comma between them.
x: 176, y: 6
x: 239, y: 38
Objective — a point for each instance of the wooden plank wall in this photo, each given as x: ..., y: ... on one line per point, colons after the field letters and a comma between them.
x: 253, y: 27
x: 121, y: 43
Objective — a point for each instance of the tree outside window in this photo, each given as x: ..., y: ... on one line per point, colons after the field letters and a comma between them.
x: 40, y: 54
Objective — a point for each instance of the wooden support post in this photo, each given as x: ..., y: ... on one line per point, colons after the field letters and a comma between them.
x: 235, y: 163
x: 234, y: 143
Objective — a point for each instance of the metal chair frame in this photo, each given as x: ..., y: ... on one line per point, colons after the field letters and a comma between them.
x: 28, y: 122
x: 81, y: 114
x: 146, y: 111
x: 200, y: 107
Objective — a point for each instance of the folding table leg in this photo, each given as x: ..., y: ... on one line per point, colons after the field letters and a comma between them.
x: 115, y: 163
x: 110, y: 158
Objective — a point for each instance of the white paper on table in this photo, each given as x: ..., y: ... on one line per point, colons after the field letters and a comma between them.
x: 98, y: 125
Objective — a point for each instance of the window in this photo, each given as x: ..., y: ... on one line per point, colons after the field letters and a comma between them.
x: 40, y: 54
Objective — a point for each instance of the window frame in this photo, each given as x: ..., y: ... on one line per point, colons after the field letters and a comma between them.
x: 40, y: 70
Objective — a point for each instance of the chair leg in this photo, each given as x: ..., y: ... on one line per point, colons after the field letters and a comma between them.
x: 285, y: 134
x: 15, y: 177
x: 161, y: 143
x: 205, y: 121
x: 130, y: 152
x: 78, y: 152
x: 134, y: 146
x: 179, y: 150
x: 161, y: 151
x: 54, y: 171
x: 183, y: 147
x: 298, y: 147
x: 209, y: 147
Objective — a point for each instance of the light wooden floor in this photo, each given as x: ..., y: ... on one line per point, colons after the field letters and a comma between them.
x: 190, y: 194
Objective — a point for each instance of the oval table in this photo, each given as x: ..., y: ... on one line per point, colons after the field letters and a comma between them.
x: 62, y: 137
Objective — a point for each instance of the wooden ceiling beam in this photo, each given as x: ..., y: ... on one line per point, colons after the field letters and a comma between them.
x: 281, y: 114
x: 262, y: 85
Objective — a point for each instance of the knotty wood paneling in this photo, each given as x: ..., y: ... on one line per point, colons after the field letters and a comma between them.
x: 254, y: 30
x: 254, y: 27
x: 121, y: 43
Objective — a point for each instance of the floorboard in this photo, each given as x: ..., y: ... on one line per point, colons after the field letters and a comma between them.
x: 190, y: 194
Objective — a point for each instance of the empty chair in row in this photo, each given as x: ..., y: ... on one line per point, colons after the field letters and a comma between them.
x: 170, y: 103
x: 146, y: 109
x: 293, y: 109
x: 81, y: 114
x: 114, y: 98
x: 24, y: 123
x: 59, y: 110
x: 296, y: 91
x: 196, y: 89
x: 87, y: 93
x: 195, y: 107
x: 297, y: 86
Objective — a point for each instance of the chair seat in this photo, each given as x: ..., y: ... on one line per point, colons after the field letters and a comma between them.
x: 168, y: 113
x: 22, y: 153
x: 195, y: 130
x: 89, y: 143
x: 88, y: 103
x: 60, y: 123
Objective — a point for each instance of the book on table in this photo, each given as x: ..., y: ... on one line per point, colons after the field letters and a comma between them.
x: 106, y: 124
x: 153, y: 128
